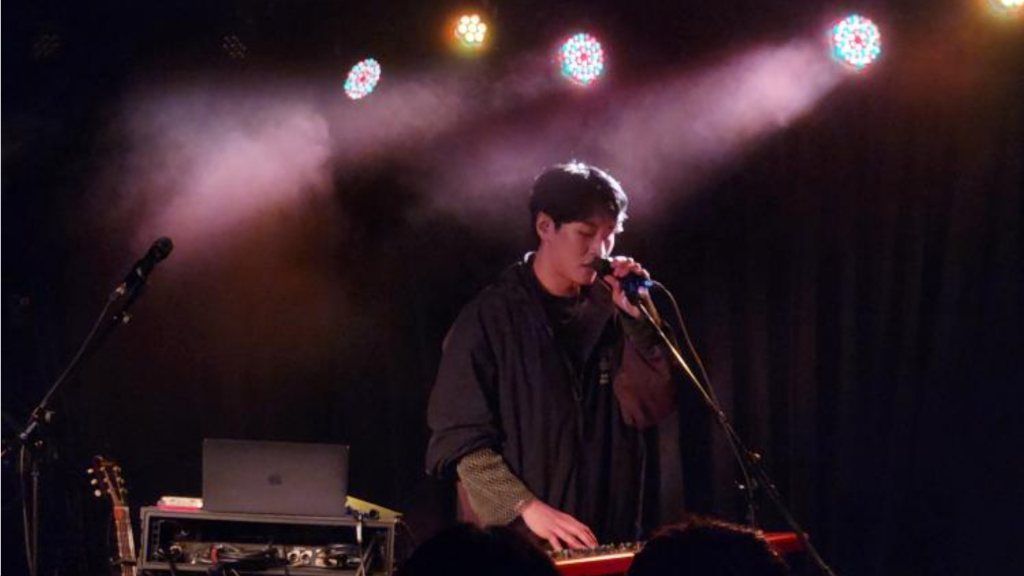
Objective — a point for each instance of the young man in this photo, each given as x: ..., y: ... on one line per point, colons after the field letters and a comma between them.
x: 548, y: 376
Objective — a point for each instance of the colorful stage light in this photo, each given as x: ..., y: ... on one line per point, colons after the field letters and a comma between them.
x: 856, y: 42
x: 1011, y: 7
x: 582, y: 59
x: 362, y: 79
x: 471, y: 31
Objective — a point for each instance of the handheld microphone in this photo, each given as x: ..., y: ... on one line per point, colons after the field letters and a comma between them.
x: 631, y: 283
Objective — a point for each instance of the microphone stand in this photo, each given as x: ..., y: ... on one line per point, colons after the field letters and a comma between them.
x: 30, y: 441
x: 631, y: 285
x: 748, y: 459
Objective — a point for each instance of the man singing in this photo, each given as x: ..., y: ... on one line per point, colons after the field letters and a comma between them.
x: 548, y: 376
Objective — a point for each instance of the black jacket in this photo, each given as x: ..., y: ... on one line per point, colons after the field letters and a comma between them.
x: 571, y: 435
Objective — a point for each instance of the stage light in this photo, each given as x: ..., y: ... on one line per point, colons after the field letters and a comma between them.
x: 362, y: 79
x: 582, y: 59
x: 471, y: 31
x: 856, y: 42
x: 46, y: 46
x: 234, y: 47
x: 1013, y: 7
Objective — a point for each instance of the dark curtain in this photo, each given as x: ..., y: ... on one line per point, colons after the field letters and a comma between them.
x: 853, y: 283
x: 856, y: 289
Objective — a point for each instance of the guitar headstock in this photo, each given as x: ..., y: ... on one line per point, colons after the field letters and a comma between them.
x: 107, y: 480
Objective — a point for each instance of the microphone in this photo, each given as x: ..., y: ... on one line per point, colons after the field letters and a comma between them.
x: 631, y: 283
x: 160, y: 249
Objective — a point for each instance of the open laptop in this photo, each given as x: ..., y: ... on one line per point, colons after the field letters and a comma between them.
x: 274, y: 477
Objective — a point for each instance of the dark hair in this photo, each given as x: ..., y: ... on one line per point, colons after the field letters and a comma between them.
x: 469, y: 550
x: 710, y: 548
x: 574, y: 192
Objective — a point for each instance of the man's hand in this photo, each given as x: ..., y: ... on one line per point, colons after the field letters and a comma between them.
x: 621, y: 267
x: 557, y: 527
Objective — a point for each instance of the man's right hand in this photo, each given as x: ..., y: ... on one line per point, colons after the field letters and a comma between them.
x: 557, y: 527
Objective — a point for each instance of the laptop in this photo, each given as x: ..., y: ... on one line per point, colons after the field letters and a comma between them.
x: 275, y: 477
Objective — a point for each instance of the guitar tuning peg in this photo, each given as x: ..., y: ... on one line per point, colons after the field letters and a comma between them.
x: 90, y: 471
x: 97, y: 493
x: 94, y: 482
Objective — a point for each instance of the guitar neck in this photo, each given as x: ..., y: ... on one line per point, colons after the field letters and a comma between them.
x: 125, y: 543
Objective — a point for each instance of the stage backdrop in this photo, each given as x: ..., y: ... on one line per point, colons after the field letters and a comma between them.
x: 852, y: 276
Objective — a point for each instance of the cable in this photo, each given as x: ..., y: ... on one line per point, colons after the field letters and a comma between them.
x: 749, y: 486
x: 408, y: 529
x: 703, y: 385
x: 29, y: 556
x: 751, y: 459
x: 231, y: 558
x: 364, y: 560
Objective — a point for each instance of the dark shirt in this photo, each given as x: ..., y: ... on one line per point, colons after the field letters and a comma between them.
x: 576, y: 322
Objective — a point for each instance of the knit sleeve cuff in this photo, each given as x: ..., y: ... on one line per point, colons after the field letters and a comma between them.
x: 495, y: 493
